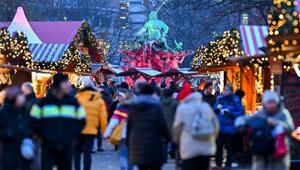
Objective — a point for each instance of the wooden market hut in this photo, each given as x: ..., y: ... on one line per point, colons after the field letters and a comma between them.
x: 66, y: 46
x: 105, y: 72
x: 241, y: 75
x: 49, y: 42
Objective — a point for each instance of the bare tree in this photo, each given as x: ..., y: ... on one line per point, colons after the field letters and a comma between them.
x: 195, y: 22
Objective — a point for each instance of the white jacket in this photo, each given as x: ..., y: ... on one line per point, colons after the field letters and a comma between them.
x: 190, y: 147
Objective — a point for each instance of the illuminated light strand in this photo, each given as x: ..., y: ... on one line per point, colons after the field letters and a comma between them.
x: 283, y: 20
x: 218, y: 52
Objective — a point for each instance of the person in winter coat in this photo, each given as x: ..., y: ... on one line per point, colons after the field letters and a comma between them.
x: 113, y: 88
x: 27, y: 90
x: 124, y: 87
x: 194, y: 152
x: 120, y: 115
x: 173, y: 87
x: 96, y: 115
x: 58, y: 120
x: 228, y: 107
x: 146, y: 130
x: 207, y: 94
x: 241, y: 94
x: 31, y: 99
x: 276, y: 115
x: 14, y: 128
x: 169, y: 106
x: 184, y: 91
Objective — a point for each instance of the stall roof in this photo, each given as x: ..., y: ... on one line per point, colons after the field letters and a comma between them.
x: 116, y: 68
x: 20, y: 23
x: 148, y: 71
x: 187, y: 71
x: 51, y: 32
x: 134, y: 71
x: 56, y: 32
x: 180, y: 71
x: 48, y: 41
x: 47, y: 52
x: 43, y: 32
x: 111, y: 69
x: 254, y: 39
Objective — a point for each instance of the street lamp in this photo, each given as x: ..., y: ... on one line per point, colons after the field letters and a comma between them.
x: 245, y: 19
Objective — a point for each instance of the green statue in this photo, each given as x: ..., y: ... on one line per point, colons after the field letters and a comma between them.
x: 154, y: 30
x: 178, y: 46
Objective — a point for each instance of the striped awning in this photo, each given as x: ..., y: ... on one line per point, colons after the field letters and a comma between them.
x: 47, y: 52
x: 254, y: 39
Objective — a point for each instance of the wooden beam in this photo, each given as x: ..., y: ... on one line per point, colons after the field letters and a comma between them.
x: 45, y: 71
x: 216, y: 68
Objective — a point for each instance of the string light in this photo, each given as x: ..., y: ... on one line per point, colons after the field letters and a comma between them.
x: 283, y: 20
x: 15, y: 48
x: 81, y: 60
x: 217, y: 52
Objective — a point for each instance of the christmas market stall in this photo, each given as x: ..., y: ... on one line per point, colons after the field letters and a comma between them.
x: 136, y: 73
x: 105, y: 72
x: 284, y: 49
x: 68, y: 47
x: 255, y: 61
x: 177, y: 74
x: 214, y: 58
x: 273, y: 53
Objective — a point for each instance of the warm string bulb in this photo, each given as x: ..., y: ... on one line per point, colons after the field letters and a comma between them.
x: 217, y: 52
x: 283, y: 20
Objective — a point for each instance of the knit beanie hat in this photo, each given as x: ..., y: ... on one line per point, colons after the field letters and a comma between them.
x: 58, y: 78
x: 270, y: 96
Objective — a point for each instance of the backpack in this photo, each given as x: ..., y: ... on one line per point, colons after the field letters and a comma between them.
x: 202, y: 126
x: 262, y: 142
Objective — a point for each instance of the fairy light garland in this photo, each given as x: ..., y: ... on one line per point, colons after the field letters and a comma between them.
x: 217, y: 52
x: 15, y: 48
x: 81, y: 60
x: 283, y: 20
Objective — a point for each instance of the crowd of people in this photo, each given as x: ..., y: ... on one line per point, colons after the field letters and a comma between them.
x: 148, y: 124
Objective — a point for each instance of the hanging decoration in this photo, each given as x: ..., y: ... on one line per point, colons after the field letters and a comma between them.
x: 218, y: 52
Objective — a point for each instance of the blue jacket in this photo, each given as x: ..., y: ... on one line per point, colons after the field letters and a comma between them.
x: 233, y: 105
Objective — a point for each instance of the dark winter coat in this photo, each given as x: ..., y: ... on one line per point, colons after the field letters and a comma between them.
x: 169, y: 106
x: 210, y: 99
x: 14, y: 127
x: 284, y: 119
x: 30, y: 101
x: 58, y: 121
x: 146, y: 131
x: 233, y: 105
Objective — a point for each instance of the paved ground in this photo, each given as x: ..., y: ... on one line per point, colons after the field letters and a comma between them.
x: 108, y: 160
